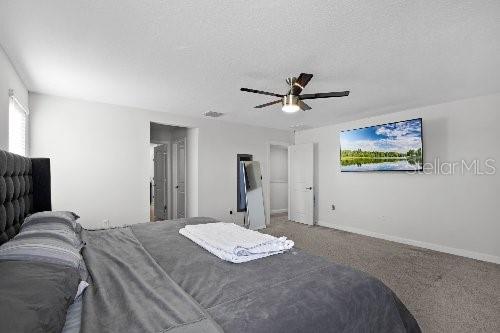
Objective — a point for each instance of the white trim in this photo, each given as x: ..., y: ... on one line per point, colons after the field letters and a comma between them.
x: 12, y: 96
x: 267, y: 207
x: 23, y: 112
x: 425, y: 245
x: 278, y: 211
x: 175, y: 161
x: 169, y: 174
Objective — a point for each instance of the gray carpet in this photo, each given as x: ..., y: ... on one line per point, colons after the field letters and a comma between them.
x: 445, y: 293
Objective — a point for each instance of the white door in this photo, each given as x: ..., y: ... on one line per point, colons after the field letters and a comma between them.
x: 160, y: 182
x: 179, y: 178
x: 301, y: 174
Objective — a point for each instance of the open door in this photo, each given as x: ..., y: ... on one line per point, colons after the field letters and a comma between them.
x: 301, y: 174
x: 179, y: 178
x: 160, y: 183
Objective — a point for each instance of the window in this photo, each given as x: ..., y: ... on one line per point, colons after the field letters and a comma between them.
x: 18, y: 124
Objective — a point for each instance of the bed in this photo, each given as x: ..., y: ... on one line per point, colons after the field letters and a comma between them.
x: 149, y: 278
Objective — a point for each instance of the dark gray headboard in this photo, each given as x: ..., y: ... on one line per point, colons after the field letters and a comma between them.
x: 24, y: 189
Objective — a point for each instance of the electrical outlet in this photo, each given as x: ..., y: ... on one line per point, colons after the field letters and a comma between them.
x: 230, y: 212
x: 333, y: 207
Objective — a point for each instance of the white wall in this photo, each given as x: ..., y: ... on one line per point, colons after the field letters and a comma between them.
x: 279, y: 179
x: 454, y: 213
x: 8, y: 80
x: 100, y: 158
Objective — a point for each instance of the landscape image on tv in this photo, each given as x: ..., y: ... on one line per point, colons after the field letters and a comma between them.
x: 388, y: 147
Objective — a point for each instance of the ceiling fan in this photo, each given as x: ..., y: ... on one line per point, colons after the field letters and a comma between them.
x: 293, y: 101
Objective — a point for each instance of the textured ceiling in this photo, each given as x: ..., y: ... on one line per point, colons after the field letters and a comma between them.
x: 188, y: 57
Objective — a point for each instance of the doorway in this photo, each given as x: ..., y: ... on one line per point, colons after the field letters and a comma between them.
x: 168, y: 176
x: 278, y: 179
x: 277, y: 173
x: 179, y: 178
x: 159, y: 182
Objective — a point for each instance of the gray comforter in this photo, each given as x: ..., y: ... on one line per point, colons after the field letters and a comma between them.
x: 149, y: 278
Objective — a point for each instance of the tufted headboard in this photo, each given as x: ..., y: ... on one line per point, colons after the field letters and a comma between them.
x: 24, y: 189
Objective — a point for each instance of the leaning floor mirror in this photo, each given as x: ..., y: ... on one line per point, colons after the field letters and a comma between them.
x: 255, y: 214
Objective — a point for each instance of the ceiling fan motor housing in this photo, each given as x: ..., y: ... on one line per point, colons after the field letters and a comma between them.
x: 290, y: 100
x: 291, y: 80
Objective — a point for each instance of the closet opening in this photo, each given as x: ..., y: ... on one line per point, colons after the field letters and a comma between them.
x: 278, y: 181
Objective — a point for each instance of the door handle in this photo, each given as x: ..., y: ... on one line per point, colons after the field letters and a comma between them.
x: 177, y: 186
x: 309, y: 188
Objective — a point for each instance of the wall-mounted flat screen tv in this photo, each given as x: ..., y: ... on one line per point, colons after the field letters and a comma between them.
x: 388, y: 147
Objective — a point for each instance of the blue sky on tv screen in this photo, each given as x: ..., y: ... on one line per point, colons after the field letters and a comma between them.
x: 398, y: 137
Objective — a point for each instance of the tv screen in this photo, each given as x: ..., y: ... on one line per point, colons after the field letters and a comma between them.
x: 388, y: 147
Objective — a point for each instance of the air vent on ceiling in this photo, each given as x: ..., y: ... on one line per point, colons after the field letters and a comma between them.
x: 213, y: 114
x: 300, y: 127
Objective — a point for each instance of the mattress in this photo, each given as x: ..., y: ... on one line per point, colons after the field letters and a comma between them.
x: 149, y: 278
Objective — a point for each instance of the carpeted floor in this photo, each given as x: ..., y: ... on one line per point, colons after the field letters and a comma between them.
x: 445, y: 293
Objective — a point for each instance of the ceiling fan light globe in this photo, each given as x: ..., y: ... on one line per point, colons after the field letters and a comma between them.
x: 290, y: 108
x: 290, y: 104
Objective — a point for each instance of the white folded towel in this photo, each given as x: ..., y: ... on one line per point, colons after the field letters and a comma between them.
x: 234, y: 243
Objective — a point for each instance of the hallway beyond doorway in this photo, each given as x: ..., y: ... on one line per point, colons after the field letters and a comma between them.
x: 167, y: 179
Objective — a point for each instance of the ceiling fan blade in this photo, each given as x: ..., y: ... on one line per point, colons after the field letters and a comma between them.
x: 304, y: 106
x: 261, y: 92
x: 304, y: 79
x: 268, y: 104
x: 325, y: 95
x: 300, y: 83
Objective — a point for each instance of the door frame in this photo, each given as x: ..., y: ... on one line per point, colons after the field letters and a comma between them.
x: 174, y: 165
x: 267, y: 208
x: 169, y: 174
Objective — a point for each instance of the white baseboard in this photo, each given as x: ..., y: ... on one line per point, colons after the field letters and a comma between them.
x: 278, y: 211
x: 425, y: 245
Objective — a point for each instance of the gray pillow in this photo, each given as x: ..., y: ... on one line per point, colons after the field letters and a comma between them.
x: 35, y: 296
x: 62, y: 224
x: 50, y: 246
x: 55, y: 217
x: 44, y: 231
